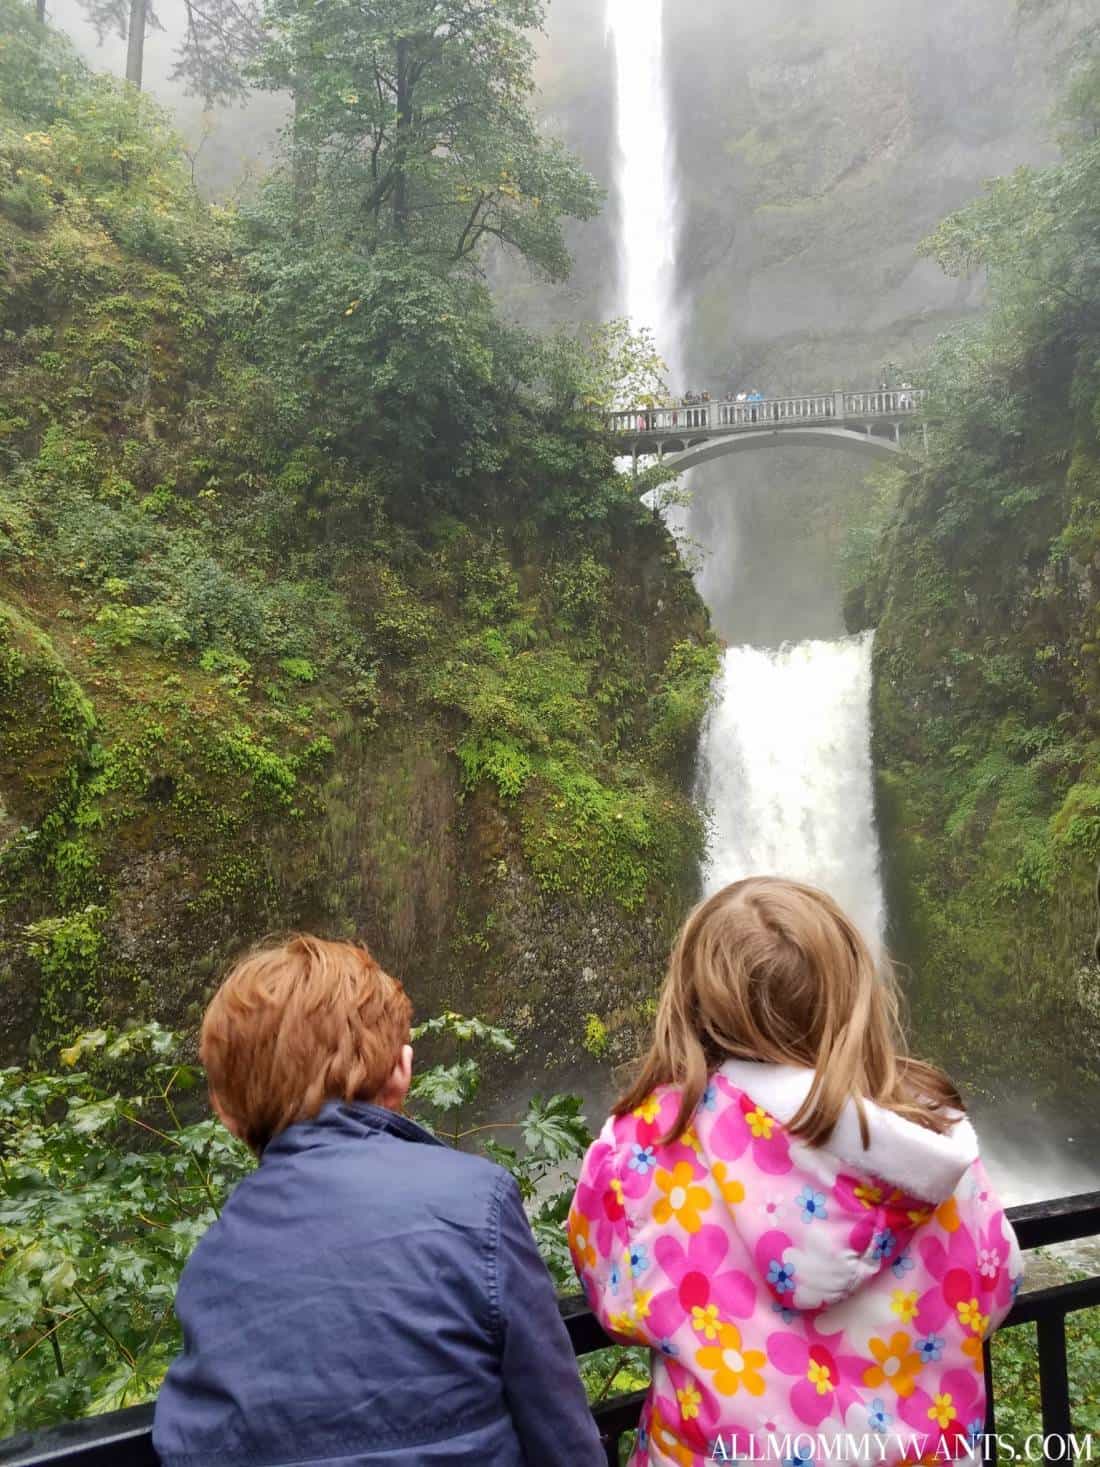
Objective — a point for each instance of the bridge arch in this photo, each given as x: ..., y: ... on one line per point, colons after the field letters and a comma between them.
x: 847, y: 440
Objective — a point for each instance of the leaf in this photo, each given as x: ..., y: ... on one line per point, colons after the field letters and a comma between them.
x: 447, y: 1087
x: 556, y: 1129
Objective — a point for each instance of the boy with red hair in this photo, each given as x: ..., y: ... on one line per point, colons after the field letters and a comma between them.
x: 368, y: 1295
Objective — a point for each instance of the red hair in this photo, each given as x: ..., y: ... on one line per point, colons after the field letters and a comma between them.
x: 296, y: 1025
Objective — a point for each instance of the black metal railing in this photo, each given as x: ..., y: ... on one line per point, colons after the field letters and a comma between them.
x: 124, y: 1438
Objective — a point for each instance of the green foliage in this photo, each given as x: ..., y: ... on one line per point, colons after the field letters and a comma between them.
x: 985, y: 588
x: 1016, y: 1376
x: 103, y: 1194
x: 423, y: 113
x: 597, y: 1041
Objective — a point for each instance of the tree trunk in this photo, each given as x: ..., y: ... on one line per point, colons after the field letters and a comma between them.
x: 40, y: 11
x: 404, y: 119
x: 135, y: 42
x: 304, y: 159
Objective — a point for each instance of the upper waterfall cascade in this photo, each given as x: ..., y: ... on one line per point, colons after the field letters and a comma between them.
x: 786, y: 771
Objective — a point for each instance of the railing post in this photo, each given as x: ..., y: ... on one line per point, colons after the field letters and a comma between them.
x: 1053, y: 1376
x: 838, y: 404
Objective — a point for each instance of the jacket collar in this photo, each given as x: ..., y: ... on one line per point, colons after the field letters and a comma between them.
x: 348, y: 1118
x: 926, y: 1164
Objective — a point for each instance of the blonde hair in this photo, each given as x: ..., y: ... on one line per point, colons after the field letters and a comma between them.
x: 769, y: 969
x: 296, y: 1024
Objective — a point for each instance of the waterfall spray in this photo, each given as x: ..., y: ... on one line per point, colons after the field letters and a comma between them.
x: 786, y: 771
x: 645, y: 175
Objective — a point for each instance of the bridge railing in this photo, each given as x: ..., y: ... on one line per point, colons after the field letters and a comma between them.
x: 726, y: 414
x: 124, y: 1438
x: 884, y: 403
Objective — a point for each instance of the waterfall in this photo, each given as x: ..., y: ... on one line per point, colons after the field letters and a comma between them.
x: 645, y: 175
x: 786, y: 772
x: 786, y: 765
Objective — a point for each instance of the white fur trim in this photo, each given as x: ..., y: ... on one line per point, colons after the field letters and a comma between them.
x: 924, y: 1163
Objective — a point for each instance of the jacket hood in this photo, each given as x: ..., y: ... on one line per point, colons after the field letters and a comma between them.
x: 925, y: 1164
x: 822, y: 1221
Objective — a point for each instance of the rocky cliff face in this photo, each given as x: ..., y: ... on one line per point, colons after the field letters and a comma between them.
x: 819, y: 144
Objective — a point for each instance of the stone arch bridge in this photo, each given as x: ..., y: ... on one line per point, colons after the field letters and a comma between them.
x: 686, y: 435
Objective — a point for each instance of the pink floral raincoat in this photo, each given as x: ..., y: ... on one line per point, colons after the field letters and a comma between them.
x: 792, y: 1294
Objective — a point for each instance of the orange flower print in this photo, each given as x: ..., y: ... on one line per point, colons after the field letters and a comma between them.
x: 684, y: 1200
x: 972, y: 1349
x: 971, y: 1316
x: 690, y: 1400
x: 820, y: 1377
x: 903, y: 1303
x: 942, y: 1409
x: 731, y: 1366
x: 648, y: 1109
x: 760, y: 1123
x: 947, y: 1215
x: 580, y: 1240
x: 867, y: 1194
x: 705, y: 1320
x: 731, y: 1189
x: 896, y: 1364
x: 669, y: 1443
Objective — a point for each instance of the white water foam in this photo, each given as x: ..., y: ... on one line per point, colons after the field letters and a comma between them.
x: 786, y: 773
x: 645, y: 175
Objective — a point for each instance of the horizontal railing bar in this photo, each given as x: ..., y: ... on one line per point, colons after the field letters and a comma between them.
x: 115, y: 1439
x: 1062, y: 1220
x: 619, y: 1415
x: 1054, y: 1302
x: 585, y: 1331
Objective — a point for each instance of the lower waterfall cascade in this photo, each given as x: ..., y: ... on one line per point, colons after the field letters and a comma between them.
x: 786, y: 775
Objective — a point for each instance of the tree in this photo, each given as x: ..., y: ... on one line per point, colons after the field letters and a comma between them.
x: 129, y: 19
x: 220, y: 38
x: 419, y: 114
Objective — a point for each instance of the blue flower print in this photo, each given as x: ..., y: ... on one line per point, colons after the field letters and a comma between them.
x: 666, y: 1347
x: 642, y: 1159
x: 883, y: 1243
x: 878, y: 1418
x: 812, y: 1204
x: 710, y: 1098
x: 786, y: 1314
x: 614, y: 1278
x: 975, y: 1431
x: 801, y: 1459
x: 781, y: 1276
x: 902, y: 1265
x: 930, y: 1348
x: 1016, y: 1282
x: 639, y: 1259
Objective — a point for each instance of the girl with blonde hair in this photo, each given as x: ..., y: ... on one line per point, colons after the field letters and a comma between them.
x: 788, y: 1210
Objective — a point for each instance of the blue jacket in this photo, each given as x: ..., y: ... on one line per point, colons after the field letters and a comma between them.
x: 371, y: 1298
